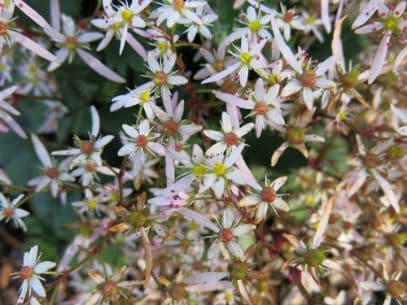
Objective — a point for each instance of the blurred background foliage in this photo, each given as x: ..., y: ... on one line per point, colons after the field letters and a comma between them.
x: 79, y: 87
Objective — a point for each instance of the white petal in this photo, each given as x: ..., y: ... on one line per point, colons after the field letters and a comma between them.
x: 41, y: 151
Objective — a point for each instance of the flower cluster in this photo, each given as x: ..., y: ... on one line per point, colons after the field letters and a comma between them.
x: 241, y: 165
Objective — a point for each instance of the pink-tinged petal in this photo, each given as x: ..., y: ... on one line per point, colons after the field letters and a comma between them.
x: 169, y: 168
x: 55, y: 11
x: 249, y: 201
x: 205, y: 277
x: 245, y: 129
x: 400, y: 8
x: 400, y: 59
x: 44, y: 267
x: 144, y: 127
x: 152, y: 62
x: 260, y: 124
x: 214, y: 135
x: 277, y: 153
x: 233, y: 113
x: 37, y: 287
x: 214, y: 250
x: 33, y: 46
x: 62, y: 55
x: 95, y: 121
x: 280, y: 204
x: 130, y: 131
x: 126, y: 149
x: 365, y: 14
x: 323, y: 223
x: 357, y: 183
x: 105, y: 41
x: 222, y: 74
x: 31, y: 13
x: 278, y: 183
x: 12, y: 124
x: 177, y: 80
x: 187, y: 130
x: 259, y: 91
x: 382, y: 9
x: 219, y: 188
x: 272, y: 94
x: 243, y: 229
x: 308, y: 98
x: 89, y: 37
x: 401, y: 113
x: 379, y: 58
x: 388, y: 191
x: 336, y: 45
x: 325, y: 65
x: 284, y: 48
x: 162, y: 115
x: 103, y: 141
x: 234, y: 155
x: 325, y: 15
x: 369, y: 28
x: 96, y: 65
x: 157, y: 148
x: 243, y: 76
x: 293, y: 86
x: 235, y: 249
x: 136, y: 46
x: 227, y: 218
x: 275, y: 116
x: 313, y: 138
x: 226, y: 123
x: 169, y: 63
x: 216, y: 149
x: 41, y: 151
x: 198, y: 219
x: 234, y: 100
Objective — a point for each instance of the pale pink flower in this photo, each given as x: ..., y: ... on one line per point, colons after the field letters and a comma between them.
x: 207, y: 20
x: 140, y: 141
x: 288, y: 19
x: 176, y: 10
x: 70, y: 42
x: 247, y: 58
x: 10, y: 211
x: 6, y: 110
x: 228, y: 138
x: 264, y: 197
x: 257, y: 26
x: 312, y: 24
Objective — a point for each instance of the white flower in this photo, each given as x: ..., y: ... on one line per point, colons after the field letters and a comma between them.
x: 202, y: 28
x: 287, y: 19
x: 229, y: 137
x: 228, y: 233
x: 221, y: 170
x: 53, y: 175
x: 88, y: 149
x: 264, y: 105
x: 312, y: 24
x: 140, y: 141
x: 70, y: 42
x: 118, y: 20
x: 257, y: 25
x: 311, y: 82
x: 264, y: 197
x: 246, y: 58
x: 176, y: 10
x: 31, y: 272
x: 215, y: 63
x: 392, y: 21
x: 5, y: 110
x: 162, y: 75
x: 9, y: 34
x: 91, y: 204
x: 142, y: 96
x: 10, y: 211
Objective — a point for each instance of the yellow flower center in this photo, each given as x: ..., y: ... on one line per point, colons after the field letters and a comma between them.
x: 145, y: 96
x: 219, y: 169
x: 91, y: 204
x: 245, y: 58
x: 199, y: 170
x: 162, y: 46
x: 391, y: 23
x: 127, y: 14
x: 254, y: 25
